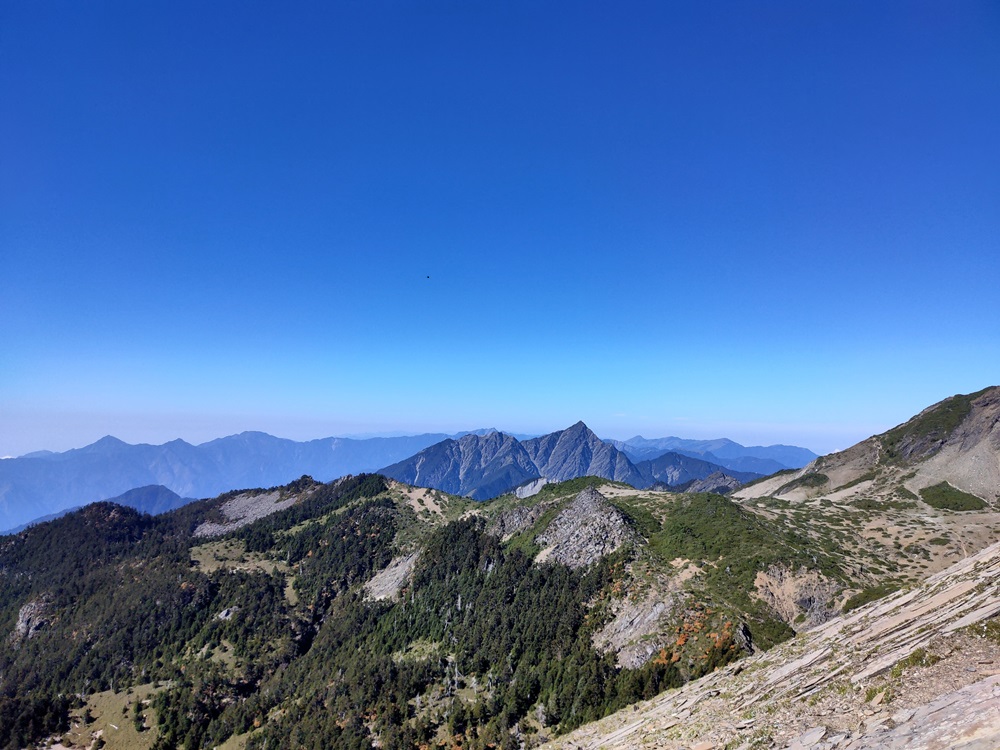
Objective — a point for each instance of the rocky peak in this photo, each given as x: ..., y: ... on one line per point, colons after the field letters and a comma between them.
x: 578, y: 452
x: 584, y: 531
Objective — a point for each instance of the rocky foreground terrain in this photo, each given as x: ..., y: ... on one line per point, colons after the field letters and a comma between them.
x: 919, y: 670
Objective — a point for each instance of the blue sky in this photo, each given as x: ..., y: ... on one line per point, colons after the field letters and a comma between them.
x: 776, y: 222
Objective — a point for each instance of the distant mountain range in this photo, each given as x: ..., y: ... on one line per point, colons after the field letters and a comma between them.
x: 485, y: 466
x: 44, y: 483
x: 759, y: 458
x: 545, y: 610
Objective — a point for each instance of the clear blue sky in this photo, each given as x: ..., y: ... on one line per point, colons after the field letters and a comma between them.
x: 772, y: 221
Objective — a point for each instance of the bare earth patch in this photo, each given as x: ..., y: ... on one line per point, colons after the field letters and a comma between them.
x: 246, y: 508
x: 387, y: 583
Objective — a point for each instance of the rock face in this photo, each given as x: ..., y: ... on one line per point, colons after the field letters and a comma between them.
x: 802, y: 598
x: 387, y: 583
x: 476, y: 466
x: 31, y: 618
x: 530, y: 489
x: 844, y: 684
x: 246, y: 508
x: 485, y: 466
x: 635, y: 631
x: 513, y: 521
x: 578, y: 452
x: 584, y: 531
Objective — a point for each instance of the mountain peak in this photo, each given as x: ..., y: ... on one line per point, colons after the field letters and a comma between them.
x: 106, y: 443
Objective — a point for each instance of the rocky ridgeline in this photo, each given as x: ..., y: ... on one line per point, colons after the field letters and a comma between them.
x: 718, y: 482
x: 907, y: 671
x: 515, y: 520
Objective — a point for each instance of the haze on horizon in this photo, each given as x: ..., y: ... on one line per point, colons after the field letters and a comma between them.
x: 773, y: 222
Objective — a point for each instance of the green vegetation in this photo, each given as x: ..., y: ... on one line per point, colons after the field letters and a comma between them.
x: 988, y: 629
x: 869, y: 595
x: 867, y: 503
x: 783, y: 472
x: 922, y: 434
x: 866, y: 477
x: 641, y: 519
x: 945, y: 497
x: 921, y: 657
x: 481, y: 641
x: 738, y: 544
x: 811, y: 480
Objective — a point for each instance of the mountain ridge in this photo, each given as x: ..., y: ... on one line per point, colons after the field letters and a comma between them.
x: 474, y: 467
x: 44, y: 483
x: 316, y: 608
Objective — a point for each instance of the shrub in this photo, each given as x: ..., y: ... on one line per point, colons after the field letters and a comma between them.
x: 945, y: 497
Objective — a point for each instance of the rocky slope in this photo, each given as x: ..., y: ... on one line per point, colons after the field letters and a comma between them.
x: 955, y: 441
x: 910, y: 501
x: 584, y: 531
x: 578, y: 452
x: 476, y: 466
x: 918, y: 669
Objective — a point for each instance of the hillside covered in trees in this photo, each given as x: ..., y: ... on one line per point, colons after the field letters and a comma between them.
x: 368, y: 613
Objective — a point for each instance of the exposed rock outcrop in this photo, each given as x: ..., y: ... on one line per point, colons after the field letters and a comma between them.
x: 956, y: 440
x: 635, y: 632
x: 718, y: 482
x: 584, y: 531
x: 387, y: 583
x: 515, y: 520
x: 829, y: 686
x: 31, y: 618
x: 245, y: 508
x: 530, y: 489
x: 801, y: 598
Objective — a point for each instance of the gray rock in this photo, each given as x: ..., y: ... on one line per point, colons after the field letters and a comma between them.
x: 586, y: 530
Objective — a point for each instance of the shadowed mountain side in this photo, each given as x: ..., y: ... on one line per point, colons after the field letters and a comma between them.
x: 674, y: 469
x: 578, y: 452
x: 488, y: 466
x: 750, y: 464
x: 153, y: 499
x: 475, y: 466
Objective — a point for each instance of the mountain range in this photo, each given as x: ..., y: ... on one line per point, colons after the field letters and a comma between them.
x: 486, y: 466
x: 42, y: 484
x: 366, y: 612
x: 760, y: 459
